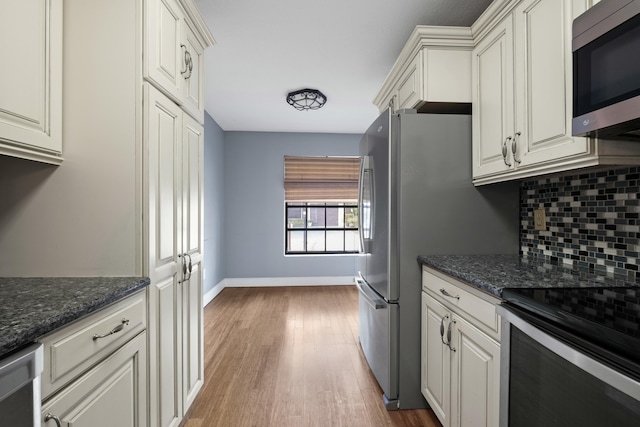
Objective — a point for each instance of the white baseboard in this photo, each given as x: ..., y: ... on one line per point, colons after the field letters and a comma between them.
x: 209, y: 296
x: 287, y: 281
x: 258, y: 282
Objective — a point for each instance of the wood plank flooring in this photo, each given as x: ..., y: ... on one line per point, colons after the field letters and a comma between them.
x: 289, y: 357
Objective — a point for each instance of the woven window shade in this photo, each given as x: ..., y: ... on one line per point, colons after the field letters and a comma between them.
x: 321, y: 179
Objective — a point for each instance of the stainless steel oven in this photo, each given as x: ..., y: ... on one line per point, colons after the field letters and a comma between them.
x: 569, y: 357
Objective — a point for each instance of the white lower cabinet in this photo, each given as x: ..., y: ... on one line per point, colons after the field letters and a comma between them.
x: 460, y: 354
x: 95, y: 369
x: 111, y: 394
x: 475, y: 376
x: 436, y: 359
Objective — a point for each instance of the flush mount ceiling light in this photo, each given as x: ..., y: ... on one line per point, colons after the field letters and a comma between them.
x: 306, y: 99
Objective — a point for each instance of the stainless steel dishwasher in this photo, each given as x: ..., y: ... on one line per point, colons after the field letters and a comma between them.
x: 20, y: 387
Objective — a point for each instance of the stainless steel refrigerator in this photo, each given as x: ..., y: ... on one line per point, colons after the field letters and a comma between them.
x: 416, y: 198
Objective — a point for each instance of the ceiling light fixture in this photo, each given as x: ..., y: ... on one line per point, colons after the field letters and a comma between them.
x: 306, y: 99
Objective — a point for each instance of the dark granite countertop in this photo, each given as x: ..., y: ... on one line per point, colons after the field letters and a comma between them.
x: 34, y: 306
x: 494, y: 273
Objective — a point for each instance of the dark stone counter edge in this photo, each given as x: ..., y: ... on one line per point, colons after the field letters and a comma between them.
x: 472, y: 281
x: 495, y: 273
x: 44, y: 327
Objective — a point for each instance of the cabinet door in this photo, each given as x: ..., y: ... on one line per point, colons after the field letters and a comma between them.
x: 475, y: 377
x: 436, y: 358
x: 410, y: 87
x: 192, y: 77
x: 492, y: 99
x: 111, y: 394
x: 31, y: 79
x: 163, y: 55
x: 192, y: 334
x: 543, y: 80
x: 163, y: 135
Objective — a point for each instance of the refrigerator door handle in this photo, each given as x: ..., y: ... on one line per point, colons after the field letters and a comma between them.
x: 360, y: 194
x: 372, y: 301
x: 365, y: 204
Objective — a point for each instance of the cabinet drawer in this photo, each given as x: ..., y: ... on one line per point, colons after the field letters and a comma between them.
x: 73, y: 349
x: 459, y: 298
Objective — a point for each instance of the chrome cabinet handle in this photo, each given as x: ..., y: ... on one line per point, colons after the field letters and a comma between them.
x: 514, y: 147
x: 184, y: 49
x: 444, y: 292
x: 188, y: 63
x: 189, y: 266
x: 115, y: 330
x: 442, y: 329
x: 49, y: 416
x: 505, y: 151
x: 449, y: 335
x: 186, y: 267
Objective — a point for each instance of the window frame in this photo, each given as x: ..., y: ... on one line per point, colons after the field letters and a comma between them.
x: 306, y: 228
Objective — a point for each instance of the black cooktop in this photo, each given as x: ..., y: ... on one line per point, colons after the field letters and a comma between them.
x: 606, y: 320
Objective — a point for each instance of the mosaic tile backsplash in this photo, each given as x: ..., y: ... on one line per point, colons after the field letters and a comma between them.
x: 592, y: 219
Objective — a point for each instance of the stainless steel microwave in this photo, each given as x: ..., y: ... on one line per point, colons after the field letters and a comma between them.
x: 606, y: 71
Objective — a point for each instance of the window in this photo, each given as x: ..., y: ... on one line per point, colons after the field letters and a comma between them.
x: 321, y: 211
x: 329, y: 228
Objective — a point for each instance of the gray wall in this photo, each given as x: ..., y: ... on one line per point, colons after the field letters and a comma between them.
x: 214, y: 254
x: 254, y: 204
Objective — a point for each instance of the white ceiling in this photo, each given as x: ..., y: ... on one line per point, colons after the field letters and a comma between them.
x: 344, y: 48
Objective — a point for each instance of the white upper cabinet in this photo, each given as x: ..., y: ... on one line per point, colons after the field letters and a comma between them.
x: 493, y: 100
x: 163, y: 59
x: 31, y: 79
x: 193, y: 99
x: 543, y: 81
x: 174, y: 49
x: 522, y: 92
x: 433, y: 69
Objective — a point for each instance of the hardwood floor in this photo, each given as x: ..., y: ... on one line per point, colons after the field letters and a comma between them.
x: 290, y: 357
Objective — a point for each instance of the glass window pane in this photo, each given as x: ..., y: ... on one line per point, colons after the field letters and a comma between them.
x: 352, y: 241
x: 315, y: 241
x: 315, y: 217
x: 335, y: 241
x: 295, y: 241
x: 335, y: 217
x: 351, y: 217
x: 295, y: 217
